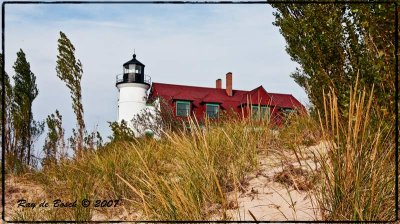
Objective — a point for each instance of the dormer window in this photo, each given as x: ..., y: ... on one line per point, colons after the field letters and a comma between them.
x: 212, y: 110
x: 286, y: 111
x: 260, y: 112
x: 182, y: 108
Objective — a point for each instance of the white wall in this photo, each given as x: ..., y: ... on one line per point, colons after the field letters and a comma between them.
x: 132, y: 100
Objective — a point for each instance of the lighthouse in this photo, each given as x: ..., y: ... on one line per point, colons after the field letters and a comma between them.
x: 132, y: 86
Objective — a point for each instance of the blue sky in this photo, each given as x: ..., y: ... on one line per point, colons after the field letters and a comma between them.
x: 180, y: 44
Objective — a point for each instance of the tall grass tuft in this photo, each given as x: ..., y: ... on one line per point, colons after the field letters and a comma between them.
x: 358, y: 170
x: 193, y: 171
x: 183, y: 176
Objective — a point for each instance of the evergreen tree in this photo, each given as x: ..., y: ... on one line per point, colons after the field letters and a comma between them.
x: 24, y: 93
x: 54, y: 143
x: 7, y: 101
x: 69, y: 69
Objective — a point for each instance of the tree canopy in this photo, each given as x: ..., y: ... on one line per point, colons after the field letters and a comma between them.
x: 69, y: 69
x: 24, y: 93
x: 336, y: 43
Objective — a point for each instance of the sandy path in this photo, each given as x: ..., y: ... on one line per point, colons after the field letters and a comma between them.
x: 267, y: 200
x: 18, y: 188
x: 21, y: 188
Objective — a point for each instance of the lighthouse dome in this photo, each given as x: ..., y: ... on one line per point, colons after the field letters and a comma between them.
x: 133, y: 65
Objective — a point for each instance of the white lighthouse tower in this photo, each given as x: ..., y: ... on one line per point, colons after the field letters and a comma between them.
x: 132, y: 86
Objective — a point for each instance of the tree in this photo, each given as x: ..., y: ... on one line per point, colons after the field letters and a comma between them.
x: 69, y: 69
x: 337, y: 46
x: 93, y: 140
x: 8, y: 130
x: 121, y: 132
x: 24, y: 93
x: 156, y: 120
x: 54, y: 143
x: 335, y: 43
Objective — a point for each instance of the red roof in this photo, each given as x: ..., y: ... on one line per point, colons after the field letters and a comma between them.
x: 198, y: 95
x: 257, y: 96
x: 285, y: 100
x: 201, y: 95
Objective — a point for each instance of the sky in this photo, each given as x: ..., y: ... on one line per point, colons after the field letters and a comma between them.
x: 179, y: 44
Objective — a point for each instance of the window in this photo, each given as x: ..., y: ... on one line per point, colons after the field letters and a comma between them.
x: 212, y: 110
x: 182, y: 108
x: 133, y: 68
x: 287, y: 111
x: 138, y: 69
x: 265, y: 112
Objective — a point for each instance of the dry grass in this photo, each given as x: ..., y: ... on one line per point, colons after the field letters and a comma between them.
x: 176, y: 178
x: 355, y: 167
x: 358, y: 170
x: 187, y: 174
x: 296, y: 177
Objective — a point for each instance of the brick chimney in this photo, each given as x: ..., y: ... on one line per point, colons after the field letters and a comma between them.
x: 229, y: 83
x: 218, y: 84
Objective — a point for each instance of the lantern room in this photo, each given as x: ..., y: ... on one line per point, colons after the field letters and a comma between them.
x: 133, y: 72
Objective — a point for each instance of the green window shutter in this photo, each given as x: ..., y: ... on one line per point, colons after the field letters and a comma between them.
x: 182, y: 108
x: 212, y: 110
